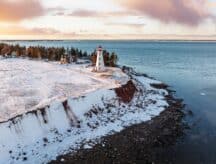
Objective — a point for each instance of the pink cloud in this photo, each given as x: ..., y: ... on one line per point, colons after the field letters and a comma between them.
x: 189, y: 12
x: 132, y: 25
x: 20, y: 30
x: 16, y: 10
x: 93, y: 13
x: 84, y: 13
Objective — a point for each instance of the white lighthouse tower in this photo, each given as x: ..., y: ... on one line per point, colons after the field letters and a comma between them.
x: 100, y: 61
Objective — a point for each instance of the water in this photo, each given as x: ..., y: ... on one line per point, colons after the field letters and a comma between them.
x: 190, y: 69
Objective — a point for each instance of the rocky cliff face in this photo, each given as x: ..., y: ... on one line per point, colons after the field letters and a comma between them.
x: 67, y: 126
x: 145, y: 142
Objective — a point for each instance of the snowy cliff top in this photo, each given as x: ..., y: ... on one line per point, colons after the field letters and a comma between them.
x: 28, y: 84
x: 75, y: 107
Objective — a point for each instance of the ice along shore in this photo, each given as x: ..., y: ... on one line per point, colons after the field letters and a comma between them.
x: 139, y: 143
x: 85, y: 123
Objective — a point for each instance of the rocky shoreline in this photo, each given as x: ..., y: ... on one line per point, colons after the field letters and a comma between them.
x: 139, y: 143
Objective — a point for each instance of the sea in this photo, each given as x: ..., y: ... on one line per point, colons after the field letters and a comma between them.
x: 189, y: 68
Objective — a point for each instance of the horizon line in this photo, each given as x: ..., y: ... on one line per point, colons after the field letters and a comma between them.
x: 123, y: 39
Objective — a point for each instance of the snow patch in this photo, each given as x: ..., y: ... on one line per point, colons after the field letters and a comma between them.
x: 203, y: 94
x: 27, y: 84
x: 66, y: 124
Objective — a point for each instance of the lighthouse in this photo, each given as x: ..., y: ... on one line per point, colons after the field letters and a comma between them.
x: 100, y: 61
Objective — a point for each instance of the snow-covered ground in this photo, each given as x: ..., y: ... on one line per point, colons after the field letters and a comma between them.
x: 27, y: 84
x: 81, y: 108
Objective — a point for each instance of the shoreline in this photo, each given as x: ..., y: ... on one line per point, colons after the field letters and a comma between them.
x: 140, y: 143
x: 107, y: 116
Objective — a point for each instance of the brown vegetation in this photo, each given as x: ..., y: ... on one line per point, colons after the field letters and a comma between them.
x: 126, y: 92
x: 40, y: 52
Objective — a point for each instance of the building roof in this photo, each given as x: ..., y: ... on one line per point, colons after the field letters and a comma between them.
x: 99, y: 48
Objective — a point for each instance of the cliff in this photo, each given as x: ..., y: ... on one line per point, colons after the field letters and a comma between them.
x: 98, y: 105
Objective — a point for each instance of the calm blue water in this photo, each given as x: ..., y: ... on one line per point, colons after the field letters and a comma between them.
x: 188, y: 67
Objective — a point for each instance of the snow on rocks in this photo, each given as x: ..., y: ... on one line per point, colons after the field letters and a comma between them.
x: 80, y: 118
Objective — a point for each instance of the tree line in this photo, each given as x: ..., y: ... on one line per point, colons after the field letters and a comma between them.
x: 110, y: 59
x: 55, y: 53
x: 40, y: 52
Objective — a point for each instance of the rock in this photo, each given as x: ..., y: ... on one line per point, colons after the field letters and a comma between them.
x: 166, y: 131
x: 142, y: 142
x: 45, y: 139
x: 190, y: 113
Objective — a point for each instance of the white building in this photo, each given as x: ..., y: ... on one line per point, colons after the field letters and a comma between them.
x: 13, y: 54
x: 100, y: 61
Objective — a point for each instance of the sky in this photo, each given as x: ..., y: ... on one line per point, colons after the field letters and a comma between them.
x: 108, y: 19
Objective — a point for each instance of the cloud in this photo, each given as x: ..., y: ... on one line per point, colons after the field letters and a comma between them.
x: 84, y: 13
x: 17, y: 10
x: 132, y: 25
x: 43, y: 31
x: 189, y: 12
x: 93, y: 13
x: 59, y: 13
x: 20, y: 30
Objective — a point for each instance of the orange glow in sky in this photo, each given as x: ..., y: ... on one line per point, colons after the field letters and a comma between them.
x: 108, y: 19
